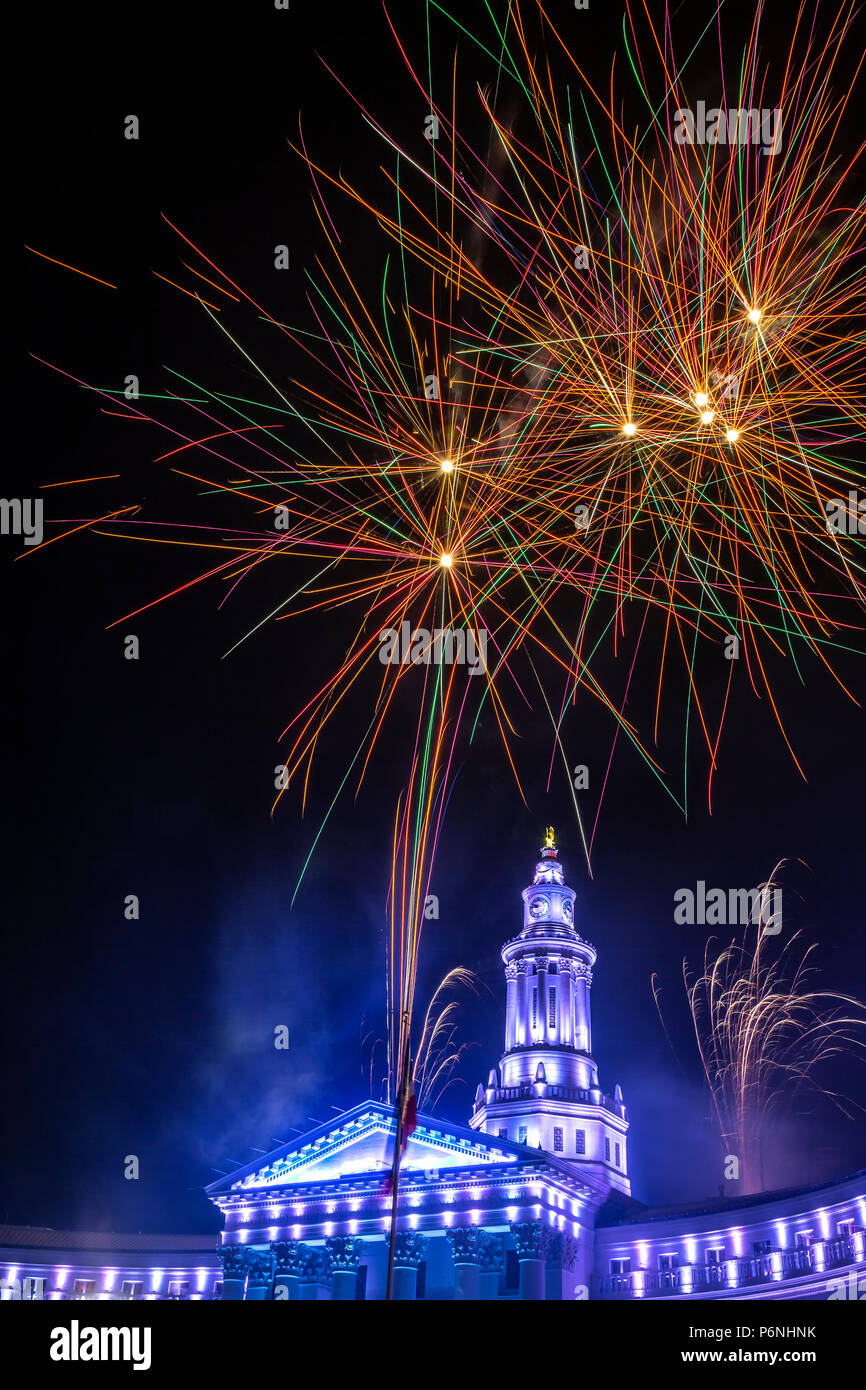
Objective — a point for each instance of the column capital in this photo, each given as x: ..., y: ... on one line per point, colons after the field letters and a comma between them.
x: 287, y: 1257
x: 345, y: 1252
x: 232, y: 1260
x: 532, y: 1239
x: 259, y: 1266
x: 466, y: 1244
x: 409, y: 1247
x: 492, y: 1253
x: 511, y: 971
x: 315, y: 1265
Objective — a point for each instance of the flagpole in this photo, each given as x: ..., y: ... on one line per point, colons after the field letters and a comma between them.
x: 402, y: 1094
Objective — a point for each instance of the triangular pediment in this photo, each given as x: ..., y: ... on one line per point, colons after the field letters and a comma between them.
x: 361, y: 1141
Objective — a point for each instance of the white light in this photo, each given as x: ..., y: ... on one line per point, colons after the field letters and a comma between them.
x: 445, y: 562
x: 707, y: 417
x: 701, y: 398
x: 732, y: 436
x: 447, y: 466
x: 629, y: 429
x: 754, y: 316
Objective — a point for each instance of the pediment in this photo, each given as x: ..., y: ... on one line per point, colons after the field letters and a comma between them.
x: 361, y: 1141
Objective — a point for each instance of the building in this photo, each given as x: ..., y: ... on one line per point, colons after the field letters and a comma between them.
x: 531, y: 1200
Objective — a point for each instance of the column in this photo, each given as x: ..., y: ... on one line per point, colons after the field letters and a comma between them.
x: 345, y: 1253
x: 532, y: 1239
x: 234, y: 1276
x: 510, y: 1006
x: 566, y: 1002
x: 492, y: 1263
x: 541, y: 966
x: 583, y: 1035
x: 315, y: 1274
x: 522, y: 1038
x: 287, y: 1268
x: 260, y: 1270
x: 466, y: 1243
x: 409, y: 1247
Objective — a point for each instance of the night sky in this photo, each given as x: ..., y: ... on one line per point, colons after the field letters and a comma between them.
x: 155, y: 777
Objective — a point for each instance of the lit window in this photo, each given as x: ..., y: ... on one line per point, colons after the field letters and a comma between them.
x: 607, y: 1151
x: 521, y: 1134
x: 622, y: 1266
x: 534, y: 1007
x: 616, y: 1154
x: 580, y: 1141
x: 82, y: 1287
x: 178, y: 1288
x: 551, y: 1007
x: 131, y: 1288
x: 557, y: 1140
x: 503, y: 1134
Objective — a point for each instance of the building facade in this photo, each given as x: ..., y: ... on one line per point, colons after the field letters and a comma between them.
x: 530, y: 1200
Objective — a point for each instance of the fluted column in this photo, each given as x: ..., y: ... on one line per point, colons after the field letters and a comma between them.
x: 541, y: 966
x: 287, y: 1268
x: 532, y: 1239
x: 583, y: 1032
x: 315, y: 1273
x: 523, y: 1037
x: 234, y: 1274
x: 466, y: 1243
x: 345, y: 1253
x: 511, y: 1005
x: 565, y: 1017
x: 492, y: 1262
x: 409, y: 1247
x: 260, y: 1272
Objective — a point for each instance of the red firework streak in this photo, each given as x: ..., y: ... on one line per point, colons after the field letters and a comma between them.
x: 407, y: 1112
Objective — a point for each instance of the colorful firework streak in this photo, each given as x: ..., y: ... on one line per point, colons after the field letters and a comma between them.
x: 596, y: 410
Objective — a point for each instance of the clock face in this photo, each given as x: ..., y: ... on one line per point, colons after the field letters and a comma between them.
x: 567, y: 910
x: 539, y: 906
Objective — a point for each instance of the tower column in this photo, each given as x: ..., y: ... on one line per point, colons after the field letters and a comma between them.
x: 566, y: 1002
x: 511, y: 1006
x: 523, y: 1019
x: 543, y: 1030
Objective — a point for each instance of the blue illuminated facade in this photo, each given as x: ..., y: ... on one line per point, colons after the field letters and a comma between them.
x: 529, y: 1201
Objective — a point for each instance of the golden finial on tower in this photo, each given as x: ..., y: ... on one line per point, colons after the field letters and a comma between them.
x: 549, y: 838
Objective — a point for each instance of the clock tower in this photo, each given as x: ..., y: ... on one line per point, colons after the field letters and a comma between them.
x: 546, y: 1093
